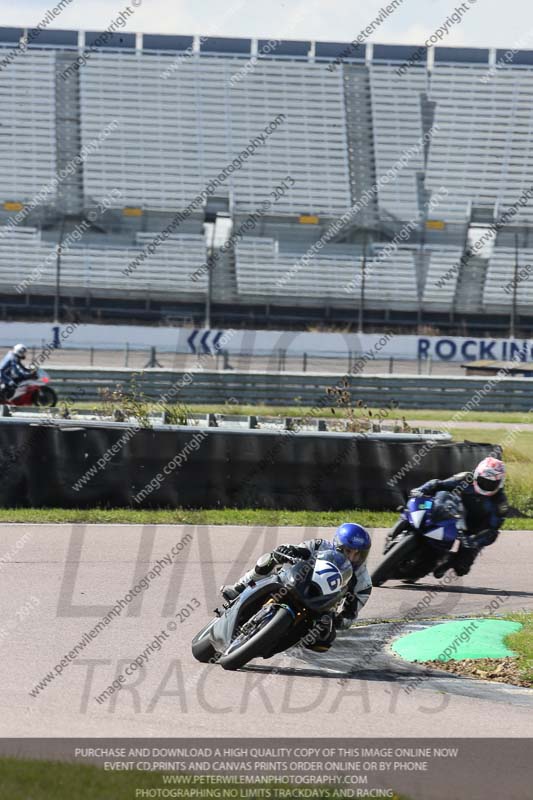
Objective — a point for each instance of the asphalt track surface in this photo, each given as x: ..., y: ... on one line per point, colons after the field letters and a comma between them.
x: 57, y: 581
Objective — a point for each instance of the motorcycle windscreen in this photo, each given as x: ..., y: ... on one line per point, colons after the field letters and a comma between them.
x: 446, y: 506
x: 417, y: 508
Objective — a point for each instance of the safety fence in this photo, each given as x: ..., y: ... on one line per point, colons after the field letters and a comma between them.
x: 490, y: 393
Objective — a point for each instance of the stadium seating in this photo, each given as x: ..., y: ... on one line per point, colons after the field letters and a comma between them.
x: 483, y: 137
x: 28, y: 261
x: 264, y: 267
x: 441, y: 260
x: 28, y: 127
x: 397, y: 127
x: 390, y: 279
x: 185, y: 107
x: 498, y: 292
x: 178, y: 132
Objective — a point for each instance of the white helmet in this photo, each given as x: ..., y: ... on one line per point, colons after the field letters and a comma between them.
x: 489, y: 476
x: 20, y: 350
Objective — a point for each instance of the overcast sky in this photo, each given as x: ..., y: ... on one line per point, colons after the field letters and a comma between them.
x: 486, y: 23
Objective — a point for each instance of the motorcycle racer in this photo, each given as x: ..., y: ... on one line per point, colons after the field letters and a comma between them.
x: 350, y: 539
x: 485, y: 506
x: 13, y: 371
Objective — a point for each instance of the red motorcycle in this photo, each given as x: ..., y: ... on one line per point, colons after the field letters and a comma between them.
x: 34, y: 391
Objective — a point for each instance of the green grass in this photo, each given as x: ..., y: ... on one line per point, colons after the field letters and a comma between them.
x: 47, y: 780
x: 44, y: 780
x: 227, y: 516
x: 522, y: 643
x: 301, y: 411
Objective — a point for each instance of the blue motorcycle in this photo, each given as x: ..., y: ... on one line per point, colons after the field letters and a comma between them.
x: 421, y: 539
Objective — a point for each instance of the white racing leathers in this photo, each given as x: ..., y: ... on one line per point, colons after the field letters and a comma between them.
x: 359, y: 588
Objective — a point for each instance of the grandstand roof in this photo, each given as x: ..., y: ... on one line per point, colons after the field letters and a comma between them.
x: 288, y: 48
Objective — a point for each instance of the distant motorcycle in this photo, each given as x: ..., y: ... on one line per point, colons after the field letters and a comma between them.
x: 422, y: 538
x: 34, y: 391
x: 276, y: 612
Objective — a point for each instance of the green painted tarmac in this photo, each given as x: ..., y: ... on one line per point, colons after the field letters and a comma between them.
x: 457, y: 640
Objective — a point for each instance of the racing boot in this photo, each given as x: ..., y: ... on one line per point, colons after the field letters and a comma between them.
x: 443, y: 566
x: 463, y: 560
x: 321, y: 636
x: 264, y: 566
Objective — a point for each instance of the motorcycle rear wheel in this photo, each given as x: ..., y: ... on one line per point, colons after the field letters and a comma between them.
x: 45, y: 396
x: 398, y: 553
x: 260, y: 640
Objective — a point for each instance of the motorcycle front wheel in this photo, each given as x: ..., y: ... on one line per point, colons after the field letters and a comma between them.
x: 401, y: 549
x: 259, y: 638
x: 45, y: 396
x: 202, y: 649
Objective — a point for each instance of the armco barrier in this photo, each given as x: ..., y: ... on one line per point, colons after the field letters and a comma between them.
x: 75, y: 465
x: 220, y: 387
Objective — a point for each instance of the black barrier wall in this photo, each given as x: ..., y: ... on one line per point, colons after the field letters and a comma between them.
x: 76, y: 466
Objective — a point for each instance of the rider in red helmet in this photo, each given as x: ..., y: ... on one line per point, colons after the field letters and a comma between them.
x: 485, y: 505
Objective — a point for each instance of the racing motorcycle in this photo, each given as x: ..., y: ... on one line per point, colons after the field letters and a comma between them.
x: 276, y: 612
x: 33, y: 391
x: 422, y: 538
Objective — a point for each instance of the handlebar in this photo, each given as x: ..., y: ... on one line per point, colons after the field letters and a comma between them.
x: 285, y: 557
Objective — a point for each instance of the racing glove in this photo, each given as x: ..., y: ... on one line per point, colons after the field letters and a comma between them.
x: 290, y: 550
x: 430, y: 488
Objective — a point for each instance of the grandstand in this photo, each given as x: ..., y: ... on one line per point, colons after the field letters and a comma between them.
x: 415, y: 160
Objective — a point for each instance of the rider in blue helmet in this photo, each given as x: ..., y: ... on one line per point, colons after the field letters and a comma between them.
x: 354, y: 542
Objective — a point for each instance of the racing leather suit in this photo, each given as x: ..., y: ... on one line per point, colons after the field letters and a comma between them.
x: 12, y: 372
x: 483, y: 516
x: 359, y: 590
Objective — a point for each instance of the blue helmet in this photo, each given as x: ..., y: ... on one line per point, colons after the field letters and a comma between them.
x: 353, y: 537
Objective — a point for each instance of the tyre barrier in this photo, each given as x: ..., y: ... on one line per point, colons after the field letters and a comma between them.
x: 62, y: 463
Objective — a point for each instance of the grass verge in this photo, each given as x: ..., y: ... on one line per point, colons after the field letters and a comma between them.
x: 48, y: 780
x: 436, y: 414
x: 516, y: 670
x: 522, y: 643
x: 226, y: 516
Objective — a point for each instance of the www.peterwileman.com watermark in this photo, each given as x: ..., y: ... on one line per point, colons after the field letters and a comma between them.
x: 198, y: 202
x: 249, y: 224
x: 391, y: 247
x: 488, y: 235
x: 47, y: 191
x: 508, y: 57
x: 175, y: 463
x: 70, y: 239
x: 101, y: 40
x: 34, y: 33
x: 350, y: 49
x: 141, y: 586
x: 438, y: 35
x: 367, y: 196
